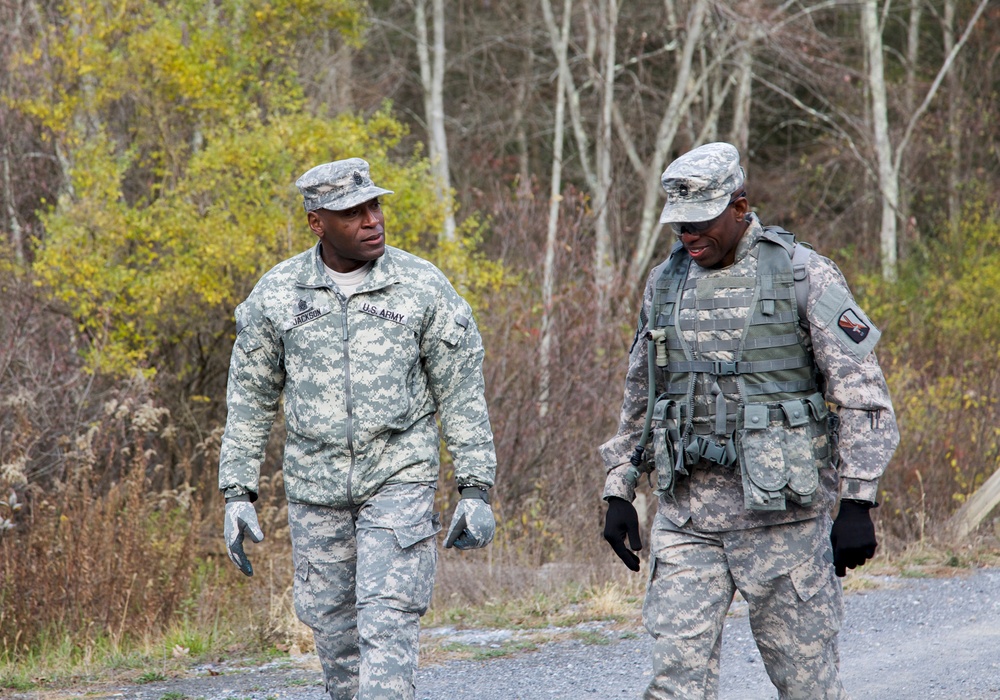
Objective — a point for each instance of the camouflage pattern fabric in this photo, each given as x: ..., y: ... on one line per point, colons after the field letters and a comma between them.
x: 337, y: 186
x: 699, y: 183
x: 363, y: 578
x: 706, y: 543
x: 795, y: 601
x: 362, y: 378
x: 855, y: 388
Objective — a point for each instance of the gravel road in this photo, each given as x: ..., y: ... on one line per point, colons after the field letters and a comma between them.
x: 909, y: 638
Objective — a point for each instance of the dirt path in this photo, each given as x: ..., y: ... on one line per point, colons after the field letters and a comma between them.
x: 908, y: 638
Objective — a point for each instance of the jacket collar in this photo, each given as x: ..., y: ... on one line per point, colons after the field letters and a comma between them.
x: 312, y: 272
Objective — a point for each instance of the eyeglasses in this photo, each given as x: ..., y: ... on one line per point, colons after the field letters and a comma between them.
x: 699, y: 227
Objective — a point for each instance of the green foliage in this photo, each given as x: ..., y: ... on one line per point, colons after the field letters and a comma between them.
x: 150, y: 677
x: 940, y: 350
x: 944, y: 299
x: 160, y: 236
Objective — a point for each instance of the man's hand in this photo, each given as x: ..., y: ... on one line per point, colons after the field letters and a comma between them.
x: 622, y: 520
x: 473, y: 524
x: 241, y: 519
x: 852, y: 536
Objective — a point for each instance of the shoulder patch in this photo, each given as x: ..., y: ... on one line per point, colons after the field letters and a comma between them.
x: 838, y: 313
x: 856, y: 329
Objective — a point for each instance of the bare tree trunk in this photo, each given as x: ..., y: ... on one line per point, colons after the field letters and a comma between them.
x: 432, y: 77
x: 10, y: 37
x: 945, y: 71
x: 909, y: 103
x: 603, y: 262
x: 739, y: 133
x: 340, y: 78
x: 887, y: 175
x: 954, y: 129
x: 912, y: 54
x: 16, y: 233
x: 555, y: 199
x: 600, y: 46
x: 684, y: 87
x: 524, y: 153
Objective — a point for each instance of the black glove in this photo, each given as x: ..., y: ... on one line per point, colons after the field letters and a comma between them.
x: 620, y: 520
x: 852, y: 536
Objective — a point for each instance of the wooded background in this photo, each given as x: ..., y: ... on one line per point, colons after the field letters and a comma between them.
x: 146, y: 167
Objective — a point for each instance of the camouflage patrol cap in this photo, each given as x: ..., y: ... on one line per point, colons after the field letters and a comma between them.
x: 339, y: 185
x: 700, y: 183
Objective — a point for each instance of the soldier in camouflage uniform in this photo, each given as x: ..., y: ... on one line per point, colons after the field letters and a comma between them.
x: 761, y: 351
x: 365, y: 343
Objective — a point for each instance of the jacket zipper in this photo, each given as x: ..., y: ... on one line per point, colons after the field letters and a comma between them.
x: 349, y: 397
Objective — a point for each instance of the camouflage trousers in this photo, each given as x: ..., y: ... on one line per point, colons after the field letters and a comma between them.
x: 363, y: 578
x: 785, y: 574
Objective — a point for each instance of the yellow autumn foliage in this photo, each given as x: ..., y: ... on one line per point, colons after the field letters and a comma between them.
x: 157, y: 238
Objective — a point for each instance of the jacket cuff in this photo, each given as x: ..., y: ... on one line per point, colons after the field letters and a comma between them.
x: 233, y: 492
x: 479, y: 492
x: 858, y: 489
x: 617, y: 485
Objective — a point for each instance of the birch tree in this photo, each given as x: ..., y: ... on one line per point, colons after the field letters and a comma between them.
x: 887, y: 176
x: 954, y: 128
x: 432, y: 69
x: 889, y: 158
x: 555, y: 198
x: 688, y: 84
x: 601, y: 18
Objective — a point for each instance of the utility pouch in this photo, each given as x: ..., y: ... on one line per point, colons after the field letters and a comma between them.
x: 779, y: 450
x: 762, y: 461
x: 665, y: 435
x: 664, y: 461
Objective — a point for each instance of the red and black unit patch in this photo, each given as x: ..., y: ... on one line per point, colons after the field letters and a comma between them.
x: 852, y: 325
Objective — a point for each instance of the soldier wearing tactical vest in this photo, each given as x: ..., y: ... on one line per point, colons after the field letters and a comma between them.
x: 366, y: 344
x: 754, y: 398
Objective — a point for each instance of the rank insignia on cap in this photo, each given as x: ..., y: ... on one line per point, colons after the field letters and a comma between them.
x: 856, y: 329
x: 358, y: 179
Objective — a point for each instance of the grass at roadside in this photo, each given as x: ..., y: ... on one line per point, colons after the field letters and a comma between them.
x: 564, y: 610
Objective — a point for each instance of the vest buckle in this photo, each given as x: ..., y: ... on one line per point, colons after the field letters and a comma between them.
x: 722, y: 368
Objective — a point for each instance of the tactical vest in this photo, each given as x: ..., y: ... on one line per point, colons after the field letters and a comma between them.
x: 766, y: 413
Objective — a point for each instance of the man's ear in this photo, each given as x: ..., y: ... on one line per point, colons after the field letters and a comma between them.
x: 741, y: 207
x: 315, y: 224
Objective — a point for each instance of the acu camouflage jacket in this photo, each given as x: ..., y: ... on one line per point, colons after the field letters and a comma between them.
x: 362, y: 379
x: 854, y: 388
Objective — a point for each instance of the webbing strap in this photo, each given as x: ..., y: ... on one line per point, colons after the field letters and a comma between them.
x: 740, y: 301
x: 718, y: 324
x: 780, y: 387
x: 715, y: 345
x: 782, y: 317
x: 800, y: 257
x: 721, y: 368
x: 771, y: 341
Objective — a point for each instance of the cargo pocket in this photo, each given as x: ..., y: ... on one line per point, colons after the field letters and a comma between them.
x: 322, y: 587
x: 648, y: 602
x: 809, y: 577
x: 412, y: 584
x: 302, y: 594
